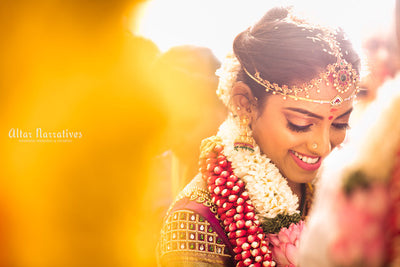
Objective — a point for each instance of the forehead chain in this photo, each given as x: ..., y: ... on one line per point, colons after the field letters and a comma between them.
x: 340, y: 75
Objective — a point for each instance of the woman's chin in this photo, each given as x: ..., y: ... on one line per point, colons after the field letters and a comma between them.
x: 300, y: 179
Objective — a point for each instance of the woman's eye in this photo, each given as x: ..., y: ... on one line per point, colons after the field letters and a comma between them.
x: 298, y: 128
x: 341, y: 126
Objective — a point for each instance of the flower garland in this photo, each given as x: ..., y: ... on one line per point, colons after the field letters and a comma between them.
x: 368, y: 220
x: 251, y: 196
x: 268, y: 189
x: 394, y: 217
x: 227, y: 74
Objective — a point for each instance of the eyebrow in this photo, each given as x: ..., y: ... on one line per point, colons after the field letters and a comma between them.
x: 310, y: 114
x: 346, y: 113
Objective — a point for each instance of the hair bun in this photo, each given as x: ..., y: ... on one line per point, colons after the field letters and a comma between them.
x: 269, y: 20
x: 276, y: 13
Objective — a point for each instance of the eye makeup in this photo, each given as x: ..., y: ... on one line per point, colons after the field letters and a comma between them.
x: 297, y: 128
x: 301, y: 124
x: 296, y: 123
x: 341, y: 126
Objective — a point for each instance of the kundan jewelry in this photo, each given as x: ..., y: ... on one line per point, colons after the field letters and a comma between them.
x: 244, y: 140
x: 340, y: 75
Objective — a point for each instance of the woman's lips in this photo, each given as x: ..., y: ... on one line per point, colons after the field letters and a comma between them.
x: 307, y: 163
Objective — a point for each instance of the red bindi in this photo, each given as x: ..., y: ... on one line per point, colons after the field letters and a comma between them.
x: 332, y: 110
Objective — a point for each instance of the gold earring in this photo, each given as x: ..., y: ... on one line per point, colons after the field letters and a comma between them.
x: 244, y: 141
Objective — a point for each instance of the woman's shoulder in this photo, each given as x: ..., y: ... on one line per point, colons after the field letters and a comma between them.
x: 192, y: 233
x: 189, y: 238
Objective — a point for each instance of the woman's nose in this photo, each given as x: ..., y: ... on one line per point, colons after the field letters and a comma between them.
x: 320, y: 143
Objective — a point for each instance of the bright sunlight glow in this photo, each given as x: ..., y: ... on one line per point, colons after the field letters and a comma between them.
x: 214, y: 23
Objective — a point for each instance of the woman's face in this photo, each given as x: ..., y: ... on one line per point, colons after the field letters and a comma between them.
x: 298, y: 135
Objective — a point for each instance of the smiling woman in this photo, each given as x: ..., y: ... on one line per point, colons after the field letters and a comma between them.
x: 289, y: 86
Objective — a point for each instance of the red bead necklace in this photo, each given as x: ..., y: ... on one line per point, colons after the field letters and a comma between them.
x: 235, y: 210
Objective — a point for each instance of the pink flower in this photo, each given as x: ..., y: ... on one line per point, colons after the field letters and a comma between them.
x: 285, y: 245
x: 361, y: 227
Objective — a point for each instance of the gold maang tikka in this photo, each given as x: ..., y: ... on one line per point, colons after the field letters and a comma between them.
x: 341, y: 75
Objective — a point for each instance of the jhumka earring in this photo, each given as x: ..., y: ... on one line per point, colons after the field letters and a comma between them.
x: 244, y: 141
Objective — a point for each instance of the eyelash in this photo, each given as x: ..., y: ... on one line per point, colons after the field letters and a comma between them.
x: 298, y: 128
x: 341, y: 126
x: 305, y: 128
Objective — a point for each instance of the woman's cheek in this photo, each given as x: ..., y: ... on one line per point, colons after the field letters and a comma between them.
x: 338, y: 138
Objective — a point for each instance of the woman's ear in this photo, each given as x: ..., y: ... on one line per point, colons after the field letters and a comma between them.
x: 243, y: 100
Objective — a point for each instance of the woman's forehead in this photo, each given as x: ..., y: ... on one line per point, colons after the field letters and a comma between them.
x: 278, y: 103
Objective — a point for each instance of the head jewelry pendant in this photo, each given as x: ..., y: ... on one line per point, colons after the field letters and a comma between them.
x: 340, y: 75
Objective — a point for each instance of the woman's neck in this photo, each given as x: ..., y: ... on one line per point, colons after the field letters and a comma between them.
x: 296, y: 189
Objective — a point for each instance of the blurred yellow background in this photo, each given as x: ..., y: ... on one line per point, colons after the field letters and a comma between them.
x: 72, y: 66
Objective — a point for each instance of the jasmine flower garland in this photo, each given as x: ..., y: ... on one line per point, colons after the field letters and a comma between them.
x: 253, y: 200
x: 268, y: 189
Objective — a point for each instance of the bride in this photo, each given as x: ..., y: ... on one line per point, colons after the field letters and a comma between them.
x: 289, y: 86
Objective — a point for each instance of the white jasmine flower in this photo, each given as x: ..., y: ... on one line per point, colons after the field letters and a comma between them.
x: 268, y: 189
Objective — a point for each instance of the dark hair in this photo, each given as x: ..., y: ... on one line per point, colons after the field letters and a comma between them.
x: 284, y: 52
